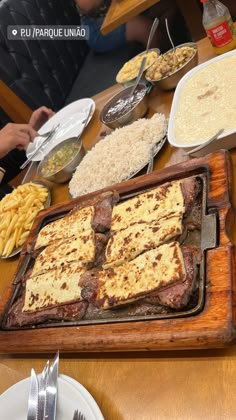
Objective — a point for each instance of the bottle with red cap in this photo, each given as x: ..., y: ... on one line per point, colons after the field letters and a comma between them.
x: 219, y: 26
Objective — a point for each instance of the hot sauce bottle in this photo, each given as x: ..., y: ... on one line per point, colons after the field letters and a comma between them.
x: 219, y: 26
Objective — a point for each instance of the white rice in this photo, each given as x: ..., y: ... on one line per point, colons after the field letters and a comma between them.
x: 119, y: 155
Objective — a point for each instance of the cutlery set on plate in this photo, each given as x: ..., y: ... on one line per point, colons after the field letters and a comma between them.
x: 50, y: 134
x: 42, y: 402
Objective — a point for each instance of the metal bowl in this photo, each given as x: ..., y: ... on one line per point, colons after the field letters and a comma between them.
x: 65, y: 173
x: 138, y: 110
x: 131, y: 81
x: 170, y: 82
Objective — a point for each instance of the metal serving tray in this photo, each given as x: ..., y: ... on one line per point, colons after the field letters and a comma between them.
x: 206, y: 239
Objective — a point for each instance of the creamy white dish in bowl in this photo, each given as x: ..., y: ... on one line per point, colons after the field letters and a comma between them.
x: 205, y: 102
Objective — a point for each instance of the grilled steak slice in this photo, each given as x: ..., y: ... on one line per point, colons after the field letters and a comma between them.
x: 162, y: 202
x: 89, y: 283
x: 100, y: 243
x: 178, y: 296
x: 139, y: 308
x: 146, y: 274
x: 124, y: 245
x: 71, y: 312
x: 93, y: 214
x: 74, y: 223
x: 103, y: 211
x: 190, y: 188
x: 103, y: 204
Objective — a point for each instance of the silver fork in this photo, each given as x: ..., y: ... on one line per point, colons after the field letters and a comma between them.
x: 49, y: 137
x: 78, y: 416
x: 45, y: 134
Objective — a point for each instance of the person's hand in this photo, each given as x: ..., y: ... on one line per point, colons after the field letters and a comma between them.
x: 16, y: 135
x: 40, y: 116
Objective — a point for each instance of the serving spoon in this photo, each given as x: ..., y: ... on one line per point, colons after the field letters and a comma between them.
x: 143, y: 63
x: 168, y: 33
x: 139, y: 77
x: 152, y: 31
x: 206, y: 143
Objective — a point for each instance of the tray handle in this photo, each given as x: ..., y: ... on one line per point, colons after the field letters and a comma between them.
x: 209, y: 231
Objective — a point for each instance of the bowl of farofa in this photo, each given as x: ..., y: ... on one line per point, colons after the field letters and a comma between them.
x: 129, y: 72
x: 169, y: 68
x: 60, y: 163
x: 123, y: 109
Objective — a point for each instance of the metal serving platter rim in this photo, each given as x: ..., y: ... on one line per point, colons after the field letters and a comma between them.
x: 171, y: 315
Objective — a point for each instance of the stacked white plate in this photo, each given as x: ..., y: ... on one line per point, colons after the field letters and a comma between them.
x: 71, y: 119
x: 71, y: 396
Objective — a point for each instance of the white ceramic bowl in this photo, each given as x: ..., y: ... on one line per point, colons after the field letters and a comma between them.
x: 227, y: 140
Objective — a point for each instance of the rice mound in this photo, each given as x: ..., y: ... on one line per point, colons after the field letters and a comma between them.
x: 119, y: 155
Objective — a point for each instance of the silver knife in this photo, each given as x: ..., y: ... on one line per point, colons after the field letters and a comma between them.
x: 51, y: 392
x: 32, y: 413
x: 43, y: 380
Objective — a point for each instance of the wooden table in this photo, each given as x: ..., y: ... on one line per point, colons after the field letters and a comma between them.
x: 183, y: 385
x: 121, y: 11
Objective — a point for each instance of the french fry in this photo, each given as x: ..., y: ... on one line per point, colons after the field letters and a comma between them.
x: 12, y: 243
x: 17, y: 213
x: 23, y: 237
x: 19, y: 232
x: 10, y: 227
x: 1, y: 245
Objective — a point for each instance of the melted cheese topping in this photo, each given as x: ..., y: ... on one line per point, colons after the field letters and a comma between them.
x: 148, y: 273
x: 74, y: 249
x: 58, y: 286
x: 66, y: 227
x: 126, y: 244
x: 163, y: 202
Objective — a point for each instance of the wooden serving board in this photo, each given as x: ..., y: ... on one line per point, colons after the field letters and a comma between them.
x: 213, y: 327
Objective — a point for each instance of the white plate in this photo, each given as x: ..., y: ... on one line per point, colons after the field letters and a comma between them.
x: 71, y: 396
x: 70, y: 119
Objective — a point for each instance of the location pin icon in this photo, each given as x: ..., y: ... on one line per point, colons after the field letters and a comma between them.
x: 14, y: 32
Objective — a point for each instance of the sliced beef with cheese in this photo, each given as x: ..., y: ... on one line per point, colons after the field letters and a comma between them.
x: 191, y: 188
x: 138, y: 308
x: 81, y: 249
x: 103, y: 204
x: 69, y: 312
x: 165, y: 202
x: 178, y: 296
x: 53, y: 288
x: 146, y: 274
x: 70, y: 225
x: 100, y: 241
x: 125, y: 245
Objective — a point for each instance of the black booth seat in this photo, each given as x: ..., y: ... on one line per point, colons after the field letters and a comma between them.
x: 52, y: 73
